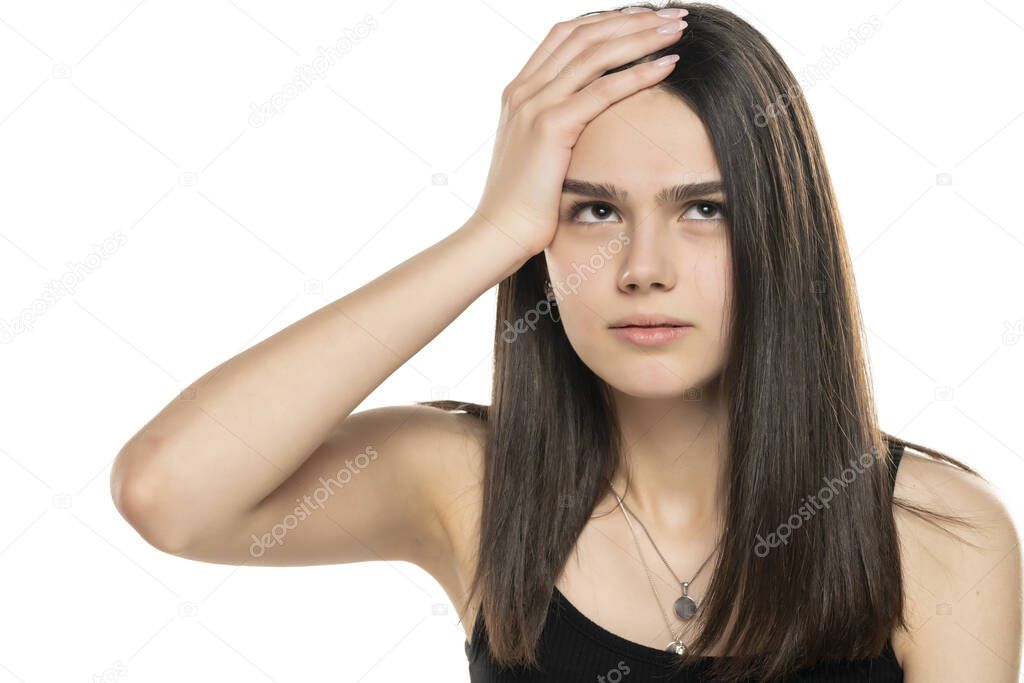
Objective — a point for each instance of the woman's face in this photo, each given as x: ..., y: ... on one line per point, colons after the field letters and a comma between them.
x: 636, y: 255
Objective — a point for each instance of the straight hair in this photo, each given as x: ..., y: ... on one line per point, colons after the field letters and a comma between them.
x: 800, y: 406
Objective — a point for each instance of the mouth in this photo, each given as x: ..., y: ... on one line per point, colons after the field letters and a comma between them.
x: 650, y: 321
x: 651, y: 335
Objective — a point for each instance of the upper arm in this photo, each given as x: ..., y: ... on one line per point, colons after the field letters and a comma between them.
x: 964, y: 603
x: 367, y: 493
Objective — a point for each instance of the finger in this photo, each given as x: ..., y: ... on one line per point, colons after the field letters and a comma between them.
x: 589, y: 36
x: 572, y: 115
x: 557, y: 35
x: 588, y: 66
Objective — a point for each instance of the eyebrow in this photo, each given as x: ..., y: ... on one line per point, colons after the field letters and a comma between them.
x: 674, y: 194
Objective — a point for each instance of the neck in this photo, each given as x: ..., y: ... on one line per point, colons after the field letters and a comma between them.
x: 673, y: 456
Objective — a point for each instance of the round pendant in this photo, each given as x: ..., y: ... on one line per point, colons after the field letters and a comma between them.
x: 685, y: 607
x: 675, y: 647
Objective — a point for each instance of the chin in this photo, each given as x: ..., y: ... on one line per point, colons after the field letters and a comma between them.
x: 690, y: 374
x: 655, y: 379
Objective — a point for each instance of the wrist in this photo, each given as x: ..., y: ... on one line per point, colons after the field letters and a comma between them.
x: 495, y: 246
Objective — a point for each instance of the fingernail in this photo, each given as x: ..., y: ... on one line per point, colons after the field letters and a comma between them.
x: 671, y: 27
x: 634, y: 10
x: 672, y: 12
x: 666, y: 60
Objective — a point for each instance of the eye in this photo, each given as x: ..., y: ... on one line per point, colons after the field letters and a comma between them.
x: 601, y: 209
x: 705, y: 208
x: 705, y: 211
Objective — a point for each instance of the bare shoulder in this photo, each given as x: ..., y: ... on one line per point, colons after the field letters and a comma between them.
x: 962, y: 585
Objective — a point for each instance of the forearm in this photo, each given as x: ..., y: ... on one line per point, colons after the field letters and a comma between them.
x: 242, y: 428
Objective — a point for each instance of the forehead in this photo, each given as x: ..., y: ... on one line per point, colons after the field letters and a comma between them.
x: 643, y: 143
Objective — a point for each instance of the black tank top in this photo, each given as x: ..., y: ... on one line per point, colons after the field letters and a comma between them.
x: 574, y: 648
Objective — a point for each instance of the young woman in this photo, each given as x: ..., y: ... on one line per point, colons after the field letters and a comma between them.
x: 680, y: 470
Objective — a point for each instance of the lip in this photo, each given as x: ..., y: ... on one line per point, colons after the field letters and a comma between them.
x: 650, y: 320
x: 650, y: 336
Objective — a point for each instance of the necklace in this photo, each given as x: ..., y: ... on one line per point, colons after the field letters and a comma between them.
x: 684, y: 606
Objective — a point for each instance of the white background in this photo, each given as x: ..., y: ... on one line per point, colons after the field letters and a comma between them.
x: 129, y: 122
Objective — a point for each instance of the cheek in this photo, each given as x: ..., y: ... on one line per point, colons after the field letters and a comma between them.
x: 711, y: 279
x: 712, y: 283
x: 583, y: 279
x: 578, y: 269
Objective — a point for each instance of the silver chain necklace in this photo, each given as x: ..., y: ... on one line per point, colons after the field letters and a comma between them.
x: 684, y: 607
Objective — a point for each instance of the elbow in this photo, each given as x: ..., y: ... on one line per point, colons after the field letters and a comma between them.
x: 136, y: 498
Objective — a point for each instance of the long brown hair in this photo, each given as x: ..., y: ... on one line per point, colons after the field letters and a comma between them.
x: 800, y: 403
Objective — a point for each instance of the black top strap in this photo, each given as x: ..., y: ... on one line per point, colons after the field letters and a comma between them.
x: 895, y: 454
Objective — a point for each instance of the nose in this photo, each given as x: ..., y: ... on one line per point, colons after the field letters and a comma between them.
x: 647, y: 265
